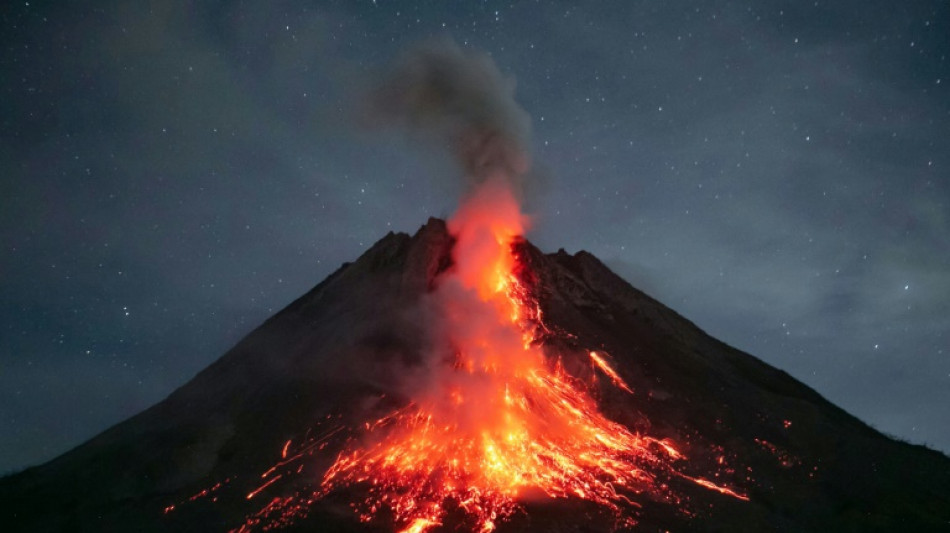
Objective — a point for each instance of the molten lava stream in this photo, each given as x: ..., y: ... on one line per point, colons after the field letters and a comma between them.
x: 494, y: 420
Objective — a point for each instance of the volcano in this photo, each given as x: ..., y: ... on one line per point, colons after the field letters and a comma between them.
x: 625, y: 416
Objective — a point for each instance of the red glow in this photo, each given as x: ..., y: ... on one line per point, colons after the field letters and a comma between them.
x: 724, y: 490
x: 495, y: 421
x: 258, y: 490
x: 283, y: 453
x: 499, y: 420
x: 611, y: 373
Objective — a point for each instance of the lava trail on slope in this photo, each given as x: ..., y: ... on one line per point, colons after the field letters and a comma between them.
x: 492, y: 420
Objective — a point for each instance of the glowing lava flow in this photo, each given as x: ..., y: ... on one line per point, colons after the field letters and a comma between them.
x: 495, y: 421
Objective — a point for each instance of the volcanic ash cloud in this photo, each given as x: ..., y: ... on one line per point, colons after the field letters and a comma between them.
x: 461, y: 99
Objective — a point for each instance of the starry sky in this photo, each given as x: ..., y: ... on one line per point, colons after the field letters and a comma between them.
x: 172, y: 173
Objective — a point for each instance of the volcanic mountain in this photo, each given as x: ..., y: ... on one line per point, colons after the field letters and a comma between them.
x: 294, y: 428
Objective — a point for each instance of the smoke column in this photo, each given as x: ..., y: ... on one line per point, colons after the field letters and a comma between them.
x: 461, y: 99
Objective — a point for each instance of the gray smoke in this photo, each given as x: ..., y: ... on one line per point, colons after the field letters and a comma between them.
x: 461, y: 98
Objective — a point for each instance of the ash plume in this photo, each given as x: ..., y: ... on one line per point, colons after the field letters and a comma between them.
x: 461, y: 98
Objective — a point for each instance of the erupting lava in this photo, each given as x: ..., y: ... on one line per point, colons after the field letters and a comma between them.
x: 496, y: 421
x: 491, y: 421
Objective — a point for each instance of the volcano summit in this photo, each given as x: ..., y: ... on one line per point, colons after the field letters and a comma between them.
x: 387, y: 398
x: 461, y: 380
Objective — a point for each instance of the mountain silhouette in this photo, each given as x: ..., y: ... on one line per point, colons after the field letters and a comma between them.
x: 306, y: 381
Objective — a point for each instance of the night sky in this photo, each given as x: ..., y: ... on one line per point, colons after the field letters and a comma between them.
x: 776, y: 171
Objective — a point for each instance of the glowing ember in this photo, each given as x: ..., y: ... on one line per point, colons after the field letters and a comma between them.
x: 724, y: 490
x: 611, y: 373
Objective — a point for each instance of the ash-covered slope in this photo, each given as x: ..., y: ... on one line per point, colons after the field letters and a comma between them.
x: 333, y: 359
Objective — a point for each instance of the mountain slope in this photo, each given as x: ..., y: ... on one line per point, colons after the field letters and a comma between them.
x: 334, y: 359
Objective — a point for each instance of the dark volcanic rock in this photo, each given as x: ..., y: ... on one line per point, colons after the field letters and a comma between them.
x: 331, y: 356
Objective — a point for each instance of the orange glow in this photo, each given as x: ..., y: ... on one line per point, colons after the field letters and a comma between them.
x: 283, y: 453
x: 499, y: 420
x: 496, y: 421
x: 258, y: 490
x: 606, y: 369
x: 419, y: 525
x: 710, y: 485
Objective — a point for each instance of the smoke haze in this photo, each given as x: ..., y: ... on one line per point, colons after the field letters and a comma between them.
x: 462, y: 99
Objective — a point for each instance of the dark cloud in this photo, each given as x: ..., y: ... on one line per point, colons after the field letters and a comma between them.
x: 461, y: 98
